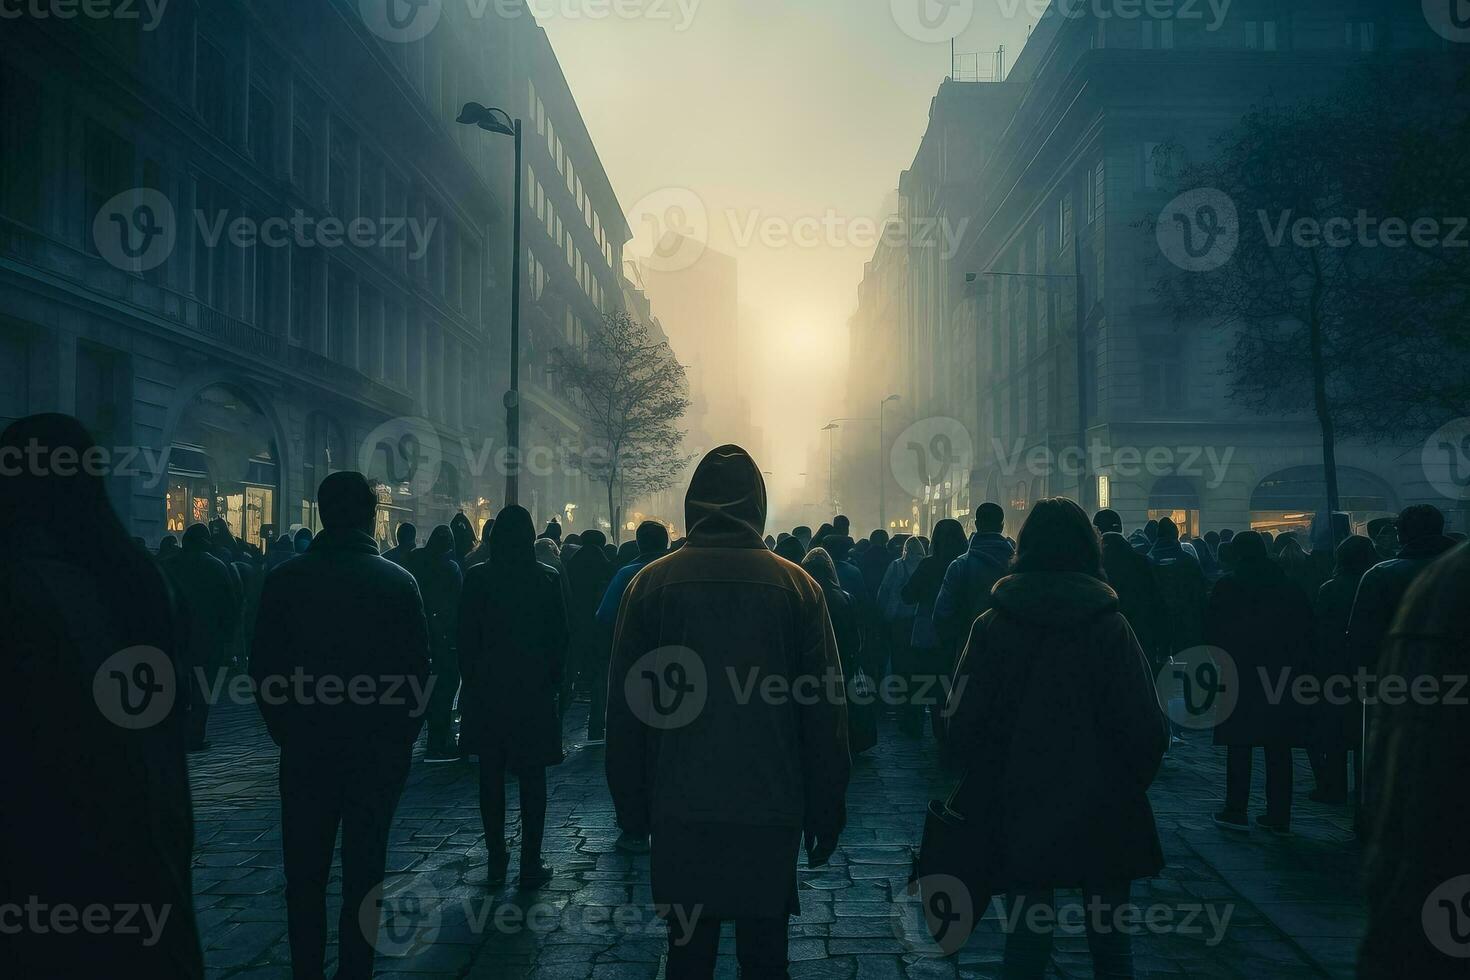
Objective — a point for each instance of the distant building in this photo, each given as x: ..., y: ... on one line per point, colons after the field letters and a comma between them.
x: 1046, y: 175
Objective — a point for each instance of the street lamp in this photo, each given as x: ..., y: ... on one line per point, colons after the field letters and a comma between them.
x: 474, y: 114
x: 831, y: 428
x: 882, y: 479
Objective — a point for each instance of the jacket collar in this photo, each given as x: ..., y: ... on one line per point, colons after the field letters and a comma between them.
x: 340, y: 540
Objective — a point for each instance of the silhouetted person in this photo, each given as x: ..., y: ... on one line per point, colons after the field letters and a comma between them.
x: 1421, y: 540
x: 481, y: 554
x: 553, y: 531
x: 207, y: 598
x: 408, y: 541
x: 803, y: 534
x: 1107, y: 522
x: 590, y: 572
x: 862, y: 712
x: 439, y: 579
x: 897, y: 617
x: 842, y: 524
x: 791, y: 549
x: 1337, y: 728
x: 1132, y: 576
x: 1417, y: 846
x: 96, y: 804
x: 352, y: 624
x: 464, y: 537
x: 301, y: 541
x: 729, y: 795
x: 512, y: 641
x: 1055, y: 715
x: 168, y: 547
x: 1263, y: 621
x: 652, y: 542
x: 965, y: 593
x: 1182, y: 590
x: 933, y: 657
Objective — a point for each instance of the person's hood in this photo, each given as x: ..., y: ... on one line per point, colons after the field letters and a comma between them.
x: 992, y: 548
x: 440, y: 543
x: 198, y: 538
x: 302, y: 541
x: 839, y: 546
x: 726, y: 503
x: 513, y: 538
x: 1054, y: 598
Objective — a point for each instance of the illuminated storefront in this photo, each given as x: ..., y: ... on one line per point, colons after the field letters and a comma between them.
x: 1288, y: 500
x: 223, y: 463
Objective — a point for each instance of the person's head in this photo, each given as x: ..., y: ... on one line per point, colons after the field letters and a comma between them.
x: 1248, y: 549
x: 1151, y: 531
x: 464, y: 534
x: 1354, y: 557
x: 839, y: 546
x: 1226, y: 535
x: 949, y: 541
x: 513, y: 539
x: 302, y: 541
x: 1290, y: 552
x: 347, y: 502
x: 573, y: 541
x: 726, y: 502
x: 652, y: 538
x: 823, y: 532
x: 1108, y: 522
x: 1212, y: 538
x: 553, y: 530
x: 913, y: 550
x: 879, y: 538
x: 791, y: 549
x: 779, y: 538
x: 408, y: 536
x: 862, y: 547
x: 168, y: 545
x: 627, y: 553
x: 593, y: 539
x: 197, y: 538
x: 547, y: 551
x: 842, y: 525
x: 219, y: 530
x: 818, y: 564
x: 1058, y: 537
x: 802, y: 533
x: 1420, y: 522
x: 989, y: 518
x: 1168, y: 532
x: 1226, y: 555
x: 440, y: 543
x: 610, y: 551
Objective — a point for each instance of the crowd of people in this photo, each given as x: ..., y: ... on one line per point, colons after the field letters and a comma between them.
x: 1035, y: 660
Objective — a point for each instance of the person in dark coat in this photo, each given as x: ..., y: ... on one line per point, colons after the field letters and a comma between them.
x: 553, y: 531
x: 590, y: 573
x: 862, y: 712
x: 96, y: 807
x: 965, y: 593
x: 839, y: 548
x: 481, y: 554
x: 897, y: 617
x: 278, y: 552
x: 932, y: 656
x: 168, y: 547
x: 209, y: 603
x: 1055, y: 714
x: 1132, y: 576
x: 464, y: 537
x: 439, y: 579
x: 1421, y: 540
x: 301, y: 541
x: 513, y: 641
x: 1417, y: 849
x: 729, y: 791
x: 343, y: 616
x: 791, y: 549
x: 1337, y: 728
x: 408, y: 542
x: 1263, y: 622
x: 1182, y: 590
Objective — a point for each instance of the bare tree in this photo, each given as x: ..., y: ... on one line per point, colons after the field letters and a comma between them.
x: 631, y: 393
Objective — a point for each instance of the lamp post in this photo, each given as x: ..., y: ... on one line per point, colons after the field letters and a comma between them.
x: 882, y: 480
x: 474, y: 114
x: 831, y: 429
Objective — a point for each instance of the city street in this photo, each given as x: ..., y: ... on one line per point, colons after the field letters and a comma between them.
x: 1226, y: 906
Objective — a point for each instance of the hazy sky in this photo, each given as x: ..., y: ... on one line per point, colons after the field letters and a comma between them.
x: 762, y: 113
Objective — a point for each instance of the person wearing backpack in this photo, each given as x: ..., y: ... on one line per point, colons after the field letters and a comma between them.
x: 965, y: 593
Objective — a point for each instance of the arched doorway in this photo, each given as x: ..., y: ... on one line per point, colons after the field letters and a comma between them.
x: 223, y: 463
x: 1176, y: 498
x: 1288, y: 500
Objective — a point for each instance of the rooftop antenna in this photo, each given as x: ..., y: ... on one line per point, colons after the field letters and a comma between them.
x: 953, y: 68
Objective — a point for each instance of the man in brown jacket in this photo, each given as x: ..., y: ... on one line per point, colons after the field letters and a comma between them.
x: 727, y: 725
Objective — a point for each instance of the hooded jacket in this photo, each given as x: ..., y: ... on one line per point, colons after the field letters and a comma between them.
x: 1084, y: 740
x: 965, y: 593
x: 717, y: 615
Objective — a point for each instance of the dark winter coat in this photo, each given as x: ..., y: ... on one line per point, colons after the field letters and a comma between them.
x: 1336, y: 727
x: 439, y: 580
x: 1183, y: 593
x: 590, y: 573
x: 1132, y: 576
x: 208, y: 599
x: 512, y: 646
x: 341, y: 613
x: 1416, y: 775
x: 1380, y: 593
x: 1264, y: 621
x: 1087, y: 740
x: 965, y: 594
x: 728, y: 794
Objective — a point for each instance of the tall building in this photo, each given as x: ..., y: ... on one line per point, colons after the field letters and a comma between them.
x: 1044, y: 179
x: 248, y: 245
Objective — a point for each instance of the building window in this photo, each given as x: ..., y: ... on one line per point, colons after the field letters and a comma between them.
x: 20, y: 149
x: 1162, y: 372
x: 303, y: 296
x: 1064, y: 223
x: 108, y: 168
x: 262, y: 137
x: 214, y: 89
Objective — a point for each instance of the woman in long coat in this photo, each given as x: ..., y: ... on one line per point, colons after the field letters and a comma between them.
x: 512, y: 642
x: 1055, y: 715
x: 1263, y: 622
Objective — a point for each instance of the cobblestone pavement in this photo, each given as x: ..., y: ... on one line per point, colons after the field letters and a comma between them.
x: 1293, y: 904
